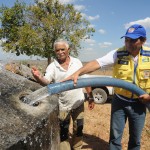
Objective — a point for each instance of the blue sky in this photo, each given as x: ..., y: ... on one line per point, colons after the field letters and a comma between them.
x: 110, y: 18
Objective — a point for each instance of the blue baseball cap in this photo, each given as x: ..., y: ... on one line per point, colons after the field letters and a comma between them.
x: 135, y: 31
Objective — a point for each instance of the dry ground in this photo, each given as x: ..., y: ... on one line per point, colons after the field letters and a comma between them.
x: 96, y: 129
x: 97, y: 122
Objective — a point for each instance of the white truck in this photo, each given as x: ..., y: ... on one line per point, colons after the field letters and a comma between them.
x: 101, y: 94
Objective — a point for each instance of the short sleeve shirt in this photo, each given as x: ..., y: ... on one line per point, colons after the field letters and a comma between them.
x: 108, y: 59
x: 69, y: 99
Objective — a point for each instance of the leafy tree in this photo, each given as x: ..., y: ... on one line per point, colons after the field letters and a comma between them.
x: 33, y: 29
x: 11, y: 20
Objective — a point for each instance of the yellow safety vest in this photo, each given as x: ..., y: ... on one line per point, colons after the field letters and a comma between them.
x: 125, y: 69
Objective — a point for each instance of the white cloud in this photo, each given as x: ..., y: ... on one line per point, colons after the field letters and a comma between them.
x: 84, y: 15
x: 91, y: 18
x: 66, y: 1
x: 105, y: 44
x: 90, y: 41
x: 79, y: 7
x: 89, y: 49
x: 61, y: 1
x: 145, y: 22
x: 147, y: 44
x: 101, y: 31
x: 91, y: 26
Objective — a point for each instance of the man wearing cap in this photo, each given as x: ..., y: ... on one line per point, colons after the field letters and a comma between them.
x: 132, y: 64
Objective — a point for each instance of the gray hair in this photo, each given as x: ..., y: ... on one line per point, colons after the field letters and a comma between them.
x: 61, y: 41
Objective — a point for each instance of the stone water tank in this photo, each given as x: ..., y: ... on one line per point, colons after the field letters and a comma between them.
x: 25, y: 127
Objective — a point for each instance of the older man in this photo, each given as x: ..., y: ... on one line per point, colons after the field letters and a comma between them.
x: 71, y: 103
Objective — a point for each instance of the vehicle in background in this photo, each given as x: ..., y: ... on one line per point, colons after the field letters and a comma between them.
x: 101, y: 94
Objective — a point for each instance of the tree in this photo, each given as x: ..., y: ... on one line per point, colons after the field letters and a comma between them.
x: 11, y: 20
x: 35, y: 28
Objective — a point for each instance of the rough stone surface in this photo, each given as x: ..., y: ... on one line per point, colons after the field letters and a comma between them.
x: 20, y: 69
x: 25, y: 127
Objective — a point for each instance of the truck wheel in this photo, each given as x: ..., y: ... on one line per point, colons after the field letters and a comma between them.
x: 100, y: 96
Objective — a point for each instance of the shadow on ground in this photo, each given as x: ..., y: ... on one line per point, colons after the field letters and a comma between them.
x: 94, y: 143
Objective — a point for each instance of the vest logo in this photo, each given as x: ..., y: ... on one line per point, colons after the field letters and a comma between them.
x: 123, y: 62
x: 146, y: 74
x: 146, y: 59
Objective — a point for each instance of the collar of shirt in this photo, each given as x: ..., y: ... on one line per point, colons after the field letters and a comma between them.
x: 59, y: 66
x: 135, y: 59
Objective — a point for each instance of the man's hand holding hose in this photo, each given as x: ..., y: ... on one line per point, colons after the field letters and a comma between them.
x: 89, y: 67
x: 145, y: 98
x: 73, y: 77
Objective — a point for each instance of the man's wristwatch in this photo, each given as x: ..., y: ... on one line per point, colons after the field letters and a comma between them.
x: 91, y: 99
